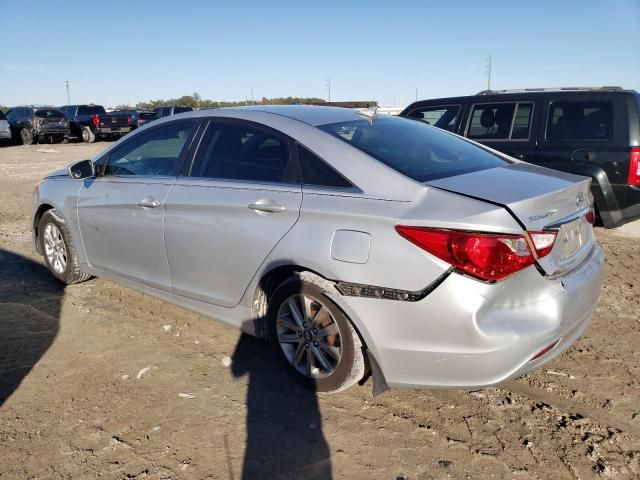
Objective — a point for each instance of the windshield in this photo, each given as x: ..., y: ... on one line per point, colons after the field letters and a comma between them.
x: 417, y: 150
x: 49, y: 113
x: 91, y: 110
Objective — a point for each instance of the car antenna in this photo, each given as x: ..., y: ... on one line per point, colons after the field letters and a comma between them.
x: 370, y: 112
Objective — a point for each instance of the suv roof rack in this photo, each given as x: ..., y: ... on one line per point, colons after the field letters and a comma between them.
x: 556, y: 89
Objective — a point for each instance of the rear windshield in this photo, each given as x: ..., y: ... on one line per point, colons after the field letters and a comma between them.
x: 417, y: 150
x: 49, y: 113
x: 147, y: 115
x: 182, y: 109
x: 91, y: 110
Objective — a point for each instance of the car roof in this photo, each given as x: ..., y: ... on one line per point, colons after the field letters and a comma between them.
x: 313, y: 115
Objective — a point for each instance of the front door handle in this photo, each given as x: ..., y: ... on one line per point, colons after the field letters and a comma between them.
x: 267, y: 205
x: 149, y: 202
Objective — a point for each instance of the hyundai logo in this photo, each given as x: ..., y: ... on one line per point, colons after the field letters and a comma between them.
x: 580, y: 200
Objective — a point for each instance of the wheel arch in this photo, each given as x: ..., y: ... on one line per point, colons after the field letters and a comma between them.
x: 36, y: 221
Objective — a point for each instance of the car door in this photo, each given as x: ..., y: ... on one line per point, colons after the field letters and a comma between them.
x: 234, y: 203
x: 508, y: 127
x: 121, y: 212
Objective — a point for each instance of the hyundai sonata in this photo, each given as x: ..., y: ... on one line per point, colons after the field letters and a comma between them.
x: 354, y: 242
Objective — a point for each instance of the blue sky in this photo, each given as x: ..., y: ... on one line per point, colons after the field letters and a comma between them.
x: 127, y: 51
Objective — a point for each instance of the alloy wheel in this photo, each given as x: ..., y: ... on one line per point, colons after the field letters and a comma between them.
x: 309, y: 336
x: 55, y: 248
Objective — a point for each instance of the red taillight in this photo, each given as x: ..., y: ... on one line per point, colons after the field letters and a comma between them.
x: 590, y: 216
x: 634, y: 167
x: 486, y: 256
x: 129, y: 120
x: 95, y: 120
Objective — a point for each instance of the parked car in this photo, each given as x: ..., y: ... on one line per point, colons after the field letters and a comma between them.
x: 587, y: 131
x: 89, y: 122
x: 171, y: 110
x: 33, y: 125
x: 5, y: 129
x: 137, y: 118
x: 415, y: 253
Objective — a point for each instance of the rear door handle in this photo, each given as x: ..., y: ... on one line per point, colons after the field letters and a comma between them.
x: 267, y: 205
x: 149, y: 202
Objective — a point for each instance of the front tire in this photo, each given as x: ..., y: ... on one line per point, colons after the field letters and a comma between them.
x: 87, y: 135
x: 58, y: 249
x: 313, y: 338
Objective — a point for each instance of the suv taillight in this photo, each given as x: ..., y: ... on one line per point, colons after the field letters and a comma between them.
x: 634, y: 167
x: 487, y: 256
x: 95, y: 120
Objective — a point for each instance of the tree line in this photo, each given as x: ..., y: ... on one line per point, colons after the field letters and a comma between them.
x: 196, y: 101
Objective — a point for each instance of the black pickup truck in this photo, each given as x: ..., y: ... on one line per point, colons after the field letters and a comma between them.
x: 88, y: 122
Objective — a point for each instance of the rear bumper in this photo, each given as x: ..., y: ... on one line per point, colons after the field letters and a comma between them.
x: 628, y: 203
x: 5, y: 134
x: 468, y: 334
x: 112, y: 130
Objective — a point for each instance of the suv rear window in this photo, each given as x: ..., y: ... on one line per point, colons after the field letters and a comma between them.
x: 91, y: 110
x: 147, y: 115
x: 579, y: 121
x: 414, y: 149
x: 48, y: 113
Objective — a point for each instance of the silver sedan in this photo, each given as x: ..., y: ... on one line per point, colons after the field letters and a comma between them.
x: 354, y: 242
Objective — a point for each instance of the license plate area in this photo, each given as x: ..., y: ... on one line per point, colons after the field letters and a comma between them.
x: 571, y: 238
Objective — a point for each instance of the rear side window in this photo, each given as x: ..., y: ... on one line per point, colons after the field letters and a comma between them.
x: 442, y: 117
x: 491, y: 121
x: 579, y: 121
x: 236, y: 151
x: 154, y: 153
x: 413, y: 148
x: 316, y: 172
x: 49, y: 114
x: 91, y: 110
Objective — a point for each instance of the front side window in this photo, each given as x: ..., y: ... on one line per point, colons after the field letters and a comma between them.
x: 236, y: 151
x: 152, y: 153
x: 579, y: 121
x: 414, y: 149
x: 442, y: 117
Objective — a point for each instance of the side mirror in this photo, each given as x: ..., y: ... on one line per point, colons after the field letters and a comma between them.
x: 82, y: 169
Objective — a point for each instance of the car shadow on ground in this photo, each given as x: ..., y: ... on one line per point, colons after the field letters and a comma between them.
x: 30, y: 299
x: 284, y: 428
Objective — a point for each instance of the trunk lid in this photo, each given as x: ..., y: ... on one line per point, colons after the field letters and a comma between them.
x: 113, y: 120
x: 540, y: 199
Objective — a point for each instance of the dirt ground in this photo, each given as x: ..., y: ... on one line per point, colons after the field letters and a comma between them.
x: 97, y: 380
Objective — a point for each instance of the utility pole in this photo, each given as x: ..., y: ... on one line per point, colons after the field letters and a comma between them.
x: 327, y: 86
x: 252, y: 99
x: 416, y: 94
x: 488, y: 70
x: 68, y: 94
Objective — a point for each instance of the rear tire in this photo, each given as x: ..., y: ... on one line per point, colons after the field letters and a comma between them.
x: 59, y: 251
x: 26, y: 136
x: 317, y: 344
x: 87, y: 135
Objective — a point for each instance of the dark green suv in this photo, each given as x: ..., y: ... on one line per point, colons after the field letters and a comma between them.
x: 587, y: 131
